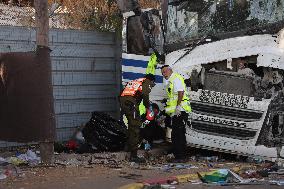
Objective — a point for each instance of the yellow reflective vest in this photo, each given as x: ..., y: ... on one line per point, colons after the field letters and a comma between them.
x: 151, y: 69
x: 142, y: 108
x: 173, y: 96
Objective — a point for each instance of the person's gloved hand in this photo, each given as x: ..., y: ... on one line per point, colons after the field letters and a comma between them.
x: 178, y: 111
x: 164, y: 101
x: 146, y: 122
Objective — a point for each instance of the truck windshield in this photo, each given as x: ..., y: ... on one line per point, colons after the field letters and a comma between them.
x: 192, y: 19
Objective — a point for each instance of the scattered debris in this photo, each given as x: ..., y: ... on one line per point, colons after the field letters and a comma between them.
x: 255, y: 159
x: 130, y: 176
x: 169, y: 167
x: 104, y: 133
x: 3, y: 161
x: 168, y: 180
x: 30, y: 157
x: 277, y: 182
x: 2, y: 176
x: 217, y: 176
x: 16, y: 161
x: 226, y: 173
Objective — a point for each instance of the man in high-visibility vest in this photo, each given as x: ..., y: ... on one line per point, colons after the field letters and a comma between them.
x: 134, y: 92
x: 178, y: 108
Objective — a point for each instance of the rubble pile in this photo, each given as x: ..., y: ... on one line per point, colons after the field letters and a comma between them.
x: 10, y: 165
x: 113, y: 160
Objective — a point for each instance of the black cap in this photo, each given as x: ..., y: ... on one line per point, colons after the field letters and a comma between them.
x: 150, y: 77
x: 162, y: 58
x: 165, y: 66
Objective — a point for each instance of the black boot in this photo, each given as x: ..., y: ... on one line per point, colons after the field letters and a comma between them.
x: 135, y: 158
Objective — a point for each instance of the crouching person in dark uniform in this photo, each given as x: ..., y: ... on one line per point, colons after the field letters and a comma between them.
x: 152, y: 130
x: 177, y: 108
x: 134, y: 92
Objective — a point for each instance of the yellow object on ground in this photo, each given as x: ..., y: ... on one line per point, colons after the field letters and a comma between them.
x: 132, y: 186
x: 236, y: 169
x: 16, y: 161
x: 187, y: 178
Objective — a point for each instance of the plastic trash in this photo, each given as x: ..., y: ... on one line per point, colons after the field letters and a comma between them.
x: 210, y: 165
x: 2, y: 176
x: 278, y: 182
x: 183, y: 166
x: 168, y: 167
x: 167, y: 186
x: 209, y: 159
x: 3, y: 161
x: 16, y: 161
x: 255, y: 159
x: 104, y: 133
x: 29, y: 157
x: 147, y: 146
x: 218, y: 176
x: 72, y: 145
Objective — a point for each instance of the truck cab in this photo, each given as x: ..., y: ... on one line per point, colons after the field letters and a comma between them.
x: 232, y: 55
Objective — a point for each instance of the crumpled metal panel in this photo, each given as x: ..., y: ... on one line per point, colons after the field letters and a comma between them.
x: 26, y: 110
x: 264, y: 45
x: 223, y: 16
x: 180, y: 25
x: 231, y: 84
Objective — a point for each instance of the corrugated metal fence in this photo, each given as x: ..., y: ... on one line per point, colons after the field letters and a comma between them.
x: 85, y: 72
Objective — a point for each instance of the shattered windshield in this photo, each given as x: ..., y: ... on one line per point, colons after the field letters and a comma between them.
x: 191, y: 19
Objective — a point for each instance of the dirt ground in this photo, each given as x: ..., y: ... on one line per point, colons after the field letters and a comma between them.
x: 111, y: 171
x: 97, y: 177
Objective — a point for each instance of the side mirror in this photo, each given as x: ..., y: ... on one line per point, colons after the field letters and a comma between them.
x: 127, y: 5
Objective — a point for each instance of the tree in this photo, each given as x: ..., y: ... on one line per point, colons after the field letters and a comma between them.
x: 101, y: 15
x: 91, y: 14
x: 18, y: 2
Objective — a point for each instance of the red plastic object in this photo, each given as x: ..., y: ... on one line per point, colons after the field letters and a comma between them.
x: 150, y: 114
x: 72, y: 145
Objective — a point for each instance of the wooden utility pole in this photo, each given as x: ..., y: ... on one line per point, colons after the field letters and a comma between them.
x: 42, y: 22
x: 43, y: 57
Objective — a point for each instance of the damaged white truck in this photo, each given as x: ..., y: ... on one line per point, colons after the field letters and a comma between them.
x: 236, y: 109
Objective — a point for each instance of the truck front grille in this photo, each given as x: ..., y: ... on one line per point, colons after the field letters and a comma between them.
x: 222, y: 130
x: 225, y: 112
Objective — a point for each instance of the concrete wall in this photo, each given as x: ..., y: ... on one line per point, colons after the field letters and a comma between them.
x: 85, y: 72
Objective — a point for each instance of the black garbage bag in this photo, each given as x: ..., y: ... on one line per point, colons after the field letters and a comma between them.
x: 105, y: 133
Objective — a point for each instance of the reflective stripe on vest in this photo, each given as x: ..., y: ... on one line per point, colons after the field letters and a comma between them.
x: 173, y: 96
x: 132, y: 87
x: 142, y: 108
x: 151, y: 67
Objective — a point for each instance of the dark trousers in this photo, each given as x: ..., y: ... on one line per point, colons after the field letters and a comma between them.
x: 178, y: 135
x: 131, y: 111
x: 152, y: 131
